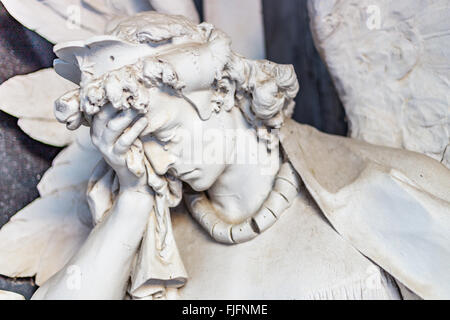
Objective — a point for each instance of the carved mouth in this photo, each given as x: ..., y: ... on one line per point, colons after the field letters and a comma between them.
x: 189, y: 174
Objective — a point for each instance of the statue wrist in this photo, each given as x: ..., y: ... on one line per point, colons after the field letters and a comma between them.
x: 134, y: 202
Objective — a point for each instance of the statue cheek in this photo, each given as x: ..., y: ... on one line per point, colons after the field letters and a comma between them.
x: 160, y: 159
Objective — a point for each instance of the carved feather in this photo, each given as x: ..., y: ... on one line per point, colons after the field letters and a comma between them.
x: 43, y: 236
x: 66, y: 20
x: 30, y: 98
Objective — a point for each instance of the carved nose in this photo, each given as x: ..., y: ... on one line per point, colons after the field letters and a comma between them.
x: 161, y: 166
x: 160, y: 159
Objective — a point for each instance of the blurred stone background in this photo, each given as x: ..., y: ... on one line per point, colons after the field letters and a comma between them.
x: 23, y: 160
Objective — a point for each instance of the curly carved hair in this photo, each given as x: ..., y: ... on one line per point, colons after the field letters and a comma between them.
x: 262, y: 89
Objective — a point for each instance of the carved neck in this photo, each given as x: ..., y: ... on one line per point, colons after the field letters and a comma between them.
x: 244, y: 185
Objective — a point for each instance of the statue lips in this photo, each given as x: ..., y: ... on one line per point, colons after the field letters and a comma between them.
x: 188, y: 174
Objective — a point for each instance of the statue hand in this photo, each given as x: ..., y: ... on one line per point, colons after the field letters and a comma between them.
x: 123, y: 88
x: 115, y: 133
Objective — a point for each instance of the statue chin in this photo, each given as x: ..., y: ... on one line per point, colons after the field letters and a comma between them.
x: 199, y: 183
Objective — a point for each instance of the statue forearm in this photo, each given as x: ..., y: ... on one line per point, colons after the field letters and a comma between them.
x: 101, y: 269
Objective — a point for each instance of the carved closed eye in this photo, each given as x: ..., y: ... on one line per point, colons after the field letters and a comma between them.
x: 166, y: 135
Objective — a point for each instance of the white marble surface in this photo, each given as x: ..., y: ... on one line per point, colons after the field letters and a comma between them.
x: 390, y: 64
x: 141, y: 116
x: 299, y: 257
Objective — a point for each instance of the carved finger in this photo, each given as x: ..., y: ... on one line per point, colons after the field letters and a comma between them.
x: 118, y: 124
x: 126, y: 140
x: 100, y: 120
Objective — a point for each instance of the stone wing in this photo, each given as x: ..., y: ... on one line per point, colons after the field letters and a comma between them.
x: 66, y: 20
x: 40, y: 238
x: 390, y: 62
x: 43, y: 236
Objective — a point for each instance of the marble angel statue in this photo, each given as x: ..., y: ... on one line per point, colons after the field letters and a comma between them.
x: 203, y: 187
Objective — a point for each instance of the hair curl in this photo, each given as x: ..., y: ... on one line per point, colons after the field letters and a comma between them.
x: 263, y: 90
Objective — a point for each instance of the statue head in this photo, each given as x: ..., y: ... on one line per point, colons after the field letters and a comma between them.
x: 195, y: 91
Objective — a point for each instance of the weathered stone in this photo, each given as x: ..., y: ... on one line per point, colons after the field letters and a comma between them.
x: 390, y: 63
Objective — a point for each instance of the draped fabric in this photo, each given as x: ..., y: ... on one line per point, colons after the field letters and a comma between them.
x: 158, y: 264
x: 392, y: 205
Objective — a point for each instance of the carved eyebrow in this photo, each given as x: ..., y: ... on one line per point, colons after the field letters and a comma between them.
x: 156, y: 123
x: 163, y: 133
x: 170, y: 134
x: 167, y: 127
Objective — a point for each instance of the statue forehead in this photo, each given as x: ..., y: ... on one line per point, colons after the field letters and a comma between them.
x: 166, y: 108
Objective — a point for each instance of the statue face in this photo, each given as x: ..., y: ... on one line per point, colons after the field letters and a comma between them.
x: 177, y: 141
